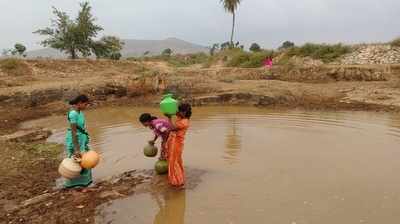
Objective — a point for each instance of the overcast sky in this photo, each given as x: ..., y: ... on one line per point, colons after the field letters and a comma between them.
x: 267, y: 22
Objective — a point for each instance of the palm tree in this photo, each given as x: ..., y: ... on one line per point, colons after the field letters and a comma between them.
x: 231, y: 6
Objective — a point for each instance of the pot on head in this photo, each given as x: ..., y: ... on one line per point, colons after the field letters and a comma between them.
x: 169, y: 105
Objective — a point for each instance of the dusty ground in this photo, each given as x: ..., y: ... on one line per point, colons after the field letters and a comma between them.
x: 40, y: 88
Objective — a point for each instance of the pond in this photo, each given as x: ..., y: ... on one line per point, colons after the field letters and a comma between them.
x: 253, y: 165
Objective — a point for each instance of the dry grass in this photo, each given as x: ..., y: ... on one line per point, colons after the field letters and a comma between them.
x: 15, y: 67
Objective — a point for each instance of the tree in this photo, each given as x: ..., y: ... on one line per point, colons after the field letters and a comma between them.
x: 116, y: 56
x: 108, y: 47
x: 71, y: 36
x: 19, y: 49
x: 287, y: 45
x: 5, y: 52
x: 237, y: 45
x: 396, y: 42
x: 167, y: 52
x: 231, y: 6
x: 255, y: 47
x: 225, y: 45
x: 213, y: 49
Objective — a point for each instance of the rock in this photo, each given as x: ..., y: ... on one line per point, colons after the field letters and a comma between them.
x: 373, y: 54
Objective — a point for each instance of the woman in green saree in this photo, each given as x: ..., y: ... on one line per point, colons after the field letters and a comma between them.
x: 77, y: 139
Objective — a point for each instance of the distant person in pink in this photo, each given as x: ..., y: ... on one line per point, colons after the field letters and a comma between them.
x: 268, y: 62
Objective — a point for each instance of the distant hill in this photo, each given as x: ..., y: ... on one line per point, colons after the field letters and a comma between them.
x: 134, y: 48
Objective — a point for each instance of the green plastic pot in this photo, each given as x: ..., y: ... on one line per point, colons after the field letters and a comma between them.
x: 150, y: 150
x: 169, y: 105
x: 161, y: 167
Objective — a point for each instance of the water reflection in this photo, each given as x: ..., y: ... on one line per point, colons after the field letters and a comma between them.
x: 172, y: 205
x: 233, y: 142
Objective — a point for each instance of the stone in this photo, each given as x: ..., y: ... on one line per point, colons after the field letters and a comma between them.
x: 373, y: 54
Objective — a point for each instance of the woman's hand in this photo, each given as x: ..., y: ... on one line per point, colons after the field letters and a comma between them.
x: 77, y: 154
x: 152, y: 142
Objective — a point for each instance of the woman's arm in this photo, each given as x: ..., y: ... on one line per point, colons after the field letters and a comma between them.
x: 152, y: 142
x: 74, y: 131
x: 173, y: 126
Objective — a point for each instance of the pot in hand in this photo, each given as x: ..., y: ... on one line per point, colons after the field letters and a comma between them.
x: 70, y: 168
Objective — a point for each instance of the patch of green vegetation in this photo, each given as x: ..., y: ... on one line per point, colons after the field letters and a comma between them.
x: 16, y: 156
x: 324, y: 52
x: 237, y: 58
x: 256, y: 59
x: 50, y: 150
x: 243, y: 59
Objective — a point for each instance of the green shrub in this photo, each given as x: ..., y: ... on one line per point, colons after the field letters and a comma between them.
x: 395, y: 42
x: 238, y: 58
x: 324, y: 52
x: 248, y: 60
x: 167, y: 52
x: 255, y: 47
x: 256, y: 60
x: 286, y: 45
x: 115, y: 56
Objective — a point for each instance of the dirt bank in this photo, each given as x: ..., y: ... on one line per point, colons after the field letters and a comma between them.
x: 75, y: 206
x: 41, y: 87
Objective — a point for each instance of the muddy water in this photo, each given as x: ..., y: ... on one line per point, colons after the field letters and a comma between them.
x: 248, y: 165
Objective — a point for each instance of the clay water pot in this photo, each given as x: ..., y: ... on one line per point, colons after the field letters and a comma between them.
x: 161, y: 167
x: 69, y: 168
x: 90, y: 159
x: 150, y: 150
